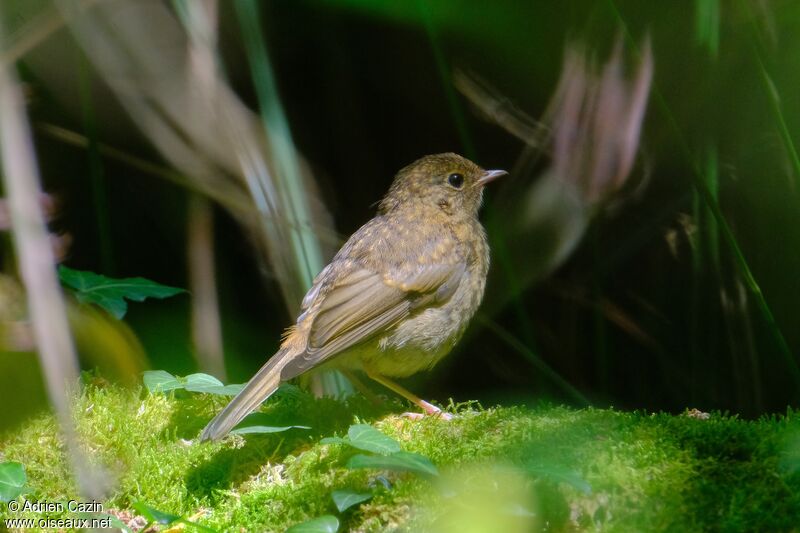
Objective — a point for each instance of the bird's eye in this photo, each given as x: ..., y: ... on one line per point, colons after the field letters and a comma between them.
x: 456, y: 180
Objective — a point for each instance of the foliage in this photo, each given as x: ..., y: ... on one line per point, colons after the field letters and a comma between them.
x: 110, y: 293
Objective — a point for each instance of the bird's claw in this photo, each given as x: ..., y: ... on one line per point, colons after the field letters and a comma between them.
x: 430, y: 410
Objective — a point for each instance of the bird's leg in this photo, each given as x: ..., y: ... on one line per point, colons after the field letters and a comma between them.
x: 430, y: 409
x: 359, y: 385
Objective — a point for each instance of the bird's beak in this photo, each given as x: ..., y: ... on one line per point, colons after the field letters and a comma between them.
x: 490, y: 175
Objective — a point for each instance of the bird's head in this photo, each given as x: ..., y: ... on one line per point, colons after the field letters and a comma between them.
x: 447, y: 183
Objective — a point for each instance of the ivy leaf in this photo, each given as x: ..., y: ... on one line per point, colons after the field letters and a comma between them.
x: 345, y: 499
x: 400, y: 461
x: 111, y: 293
x: 323, y: 524
x: 12, y: 481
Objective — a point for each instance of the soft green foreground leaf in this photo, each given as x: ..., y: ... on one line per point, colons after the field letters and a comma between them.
x: 111, y: 293
x: 400, y: 461
x: 323, y: 524
x: 12, y: 481
x: 345, y: 499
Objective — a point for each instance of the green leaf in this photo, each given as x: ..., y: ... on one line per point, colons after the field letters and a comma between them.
x: 323, y: 524
x: 400, y: 461
x: 111, y: 293
x: 12, y: 481
x: 367, y: 438
x: 211, y: 385
x: 161, y: 381
x: 261, y: 423
x: 345, y: 499
x: 154, y: 515
x: 201, y: 381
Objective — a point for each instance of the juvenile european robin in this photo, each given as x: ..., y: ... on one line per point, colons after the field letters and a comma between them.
x: 397, y: 296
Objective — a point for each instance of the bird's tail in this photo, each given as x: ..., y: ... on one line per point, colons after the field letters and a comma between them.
x: 259, y: 388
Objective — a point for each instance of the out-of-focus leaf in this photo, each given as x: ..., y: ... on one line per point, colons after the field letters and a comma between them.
x: 323, y: 524
x: 12, y: 481
x: 261, y: 423
x: 400, y: 461
x: 161, y: 381
x: 491, y: 497
x: 110, y: 293
x: 345, y: 499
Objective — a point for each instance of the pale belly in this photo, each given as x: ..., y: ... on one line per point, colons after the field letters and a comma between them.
x: 419, y: 341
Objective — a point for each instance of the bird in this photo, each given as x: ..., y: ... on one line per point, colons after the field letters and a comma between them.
x: 397, y: 296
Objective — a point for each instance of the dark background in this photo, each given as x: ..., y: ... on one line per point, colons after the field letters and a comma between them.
x: 365, y: 95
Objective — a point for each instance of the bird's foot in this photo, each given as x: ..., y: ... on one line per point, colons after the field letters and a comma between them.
x: 430, y: 410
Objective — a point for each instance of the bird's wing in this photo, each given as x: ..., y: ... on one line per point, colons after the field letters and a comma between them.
x: 362, y: 303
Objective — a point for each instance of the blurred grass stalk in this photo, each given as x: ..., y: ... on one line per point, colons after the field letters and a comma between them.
x: 200, y: 20
x: 288, y: 181
x: 36, y: 262
x: 206, y: 323
x: 169, y: 79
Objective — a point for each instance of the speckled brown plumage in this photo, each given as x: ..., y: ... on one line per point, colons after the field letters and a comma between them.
x: 400, y: 292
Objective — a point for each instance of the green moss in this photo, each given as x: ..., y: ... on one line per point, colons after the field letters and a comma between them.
x: 550, y: 468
